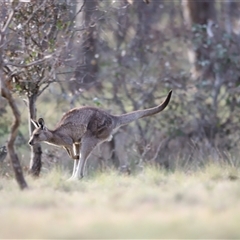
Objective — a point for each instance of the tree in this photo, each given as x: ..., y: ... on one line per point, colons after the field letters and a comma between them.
x: 200, y: 15
x: 213, y: 47
x: 87, y: 60
x: 42, y: 33
x: 6, y: 18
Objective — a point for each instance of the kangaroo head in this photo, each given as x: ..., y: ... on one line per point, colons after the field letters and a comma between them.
x: 40, y: 134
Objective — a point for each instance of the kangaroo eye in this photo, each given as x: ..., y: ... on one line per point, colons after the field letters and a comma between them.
x: 36, y: 135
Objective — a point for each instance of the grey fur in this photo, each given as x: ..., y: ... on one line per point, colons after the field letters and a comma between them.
x: 81, y: 129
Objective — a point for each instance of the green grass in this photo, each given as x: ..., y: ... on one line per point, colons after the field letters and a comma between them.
x: 150, y: 204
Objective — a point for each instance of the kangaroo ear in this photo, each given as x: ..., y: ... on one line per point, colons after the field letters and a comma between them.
x: 35, y: 123
x: 41, y: 123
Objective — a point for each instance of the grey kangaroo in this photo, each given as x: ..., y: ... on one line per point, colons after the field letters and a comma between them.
x: 81, y: 129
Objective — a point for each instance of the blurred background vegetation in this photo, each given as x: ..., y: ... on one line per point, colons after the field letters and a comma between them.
x: 121, y: 56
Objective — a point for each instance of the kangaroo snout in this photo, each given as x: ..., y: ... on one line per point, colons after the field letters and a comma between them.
x: 30, y: 143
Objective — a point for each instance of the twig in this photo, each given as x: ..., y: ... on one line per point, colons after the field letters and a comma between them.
x: 29, y: 64
x: 10, y: 17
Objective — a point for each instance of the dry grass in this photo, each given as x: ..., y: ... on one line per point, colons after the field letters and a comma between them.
x: 150, y: 204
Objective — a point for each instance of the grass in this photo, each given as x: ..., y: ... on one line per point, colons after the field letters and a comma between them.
x: 149, y: 204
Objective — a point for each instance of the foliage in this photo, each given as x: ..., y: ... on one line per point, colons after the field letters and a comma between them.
x: 37, y: 29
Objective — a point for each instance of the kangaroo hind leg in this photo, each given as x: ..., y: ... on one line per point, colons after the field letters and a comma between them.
x: 76, y: 154
x: 87, y: 145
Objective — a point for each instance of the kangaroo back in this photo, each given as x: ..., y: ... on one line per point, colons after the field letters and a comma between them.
x: 132, y: 116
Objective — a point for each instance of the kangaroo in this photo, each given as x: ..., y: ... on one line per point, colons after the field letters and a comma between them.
x: 81, y: 129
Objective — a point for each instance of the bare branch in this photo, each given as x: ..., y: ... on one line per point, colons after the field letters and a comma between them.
x: 80, y: 10
x: 9, y: 20
x: 33, y: 13
x: 30, y: 64
x: 45, y: 87
x: 10, y: 17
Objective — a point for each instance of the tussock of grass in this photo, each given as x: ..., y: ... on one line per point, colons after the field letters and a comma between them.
x: 153, y: 203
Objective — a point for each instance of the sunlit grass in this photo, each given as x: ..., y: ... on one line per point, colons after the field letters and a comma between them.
x: 152, y: 203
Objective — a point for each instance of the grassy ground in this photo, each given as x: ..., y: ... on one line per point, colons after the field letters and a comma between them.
x: 149, y: 204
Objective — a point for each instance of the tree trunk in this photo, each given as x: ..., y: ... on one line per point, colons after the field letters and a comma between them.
x: 14, y: 131
x: 6, y: 93
x: 36, y: 150
x: 231, y: 16
x: 200, y: 19
x: 87, y: 64
x: 199, y: 13
x: 145, y: 15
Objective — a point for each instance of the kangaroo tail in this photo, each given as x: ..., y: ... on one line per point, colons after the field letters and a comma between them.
x: 132, y: 116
